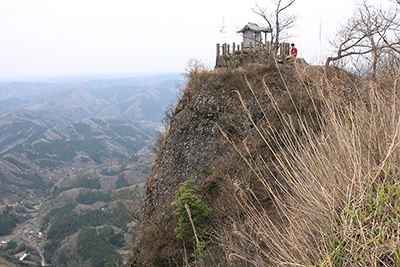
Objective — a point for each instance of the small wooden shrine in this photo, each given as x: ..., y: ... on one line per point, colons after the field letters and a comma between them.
x: 254, y: 48
x: 252, y: 35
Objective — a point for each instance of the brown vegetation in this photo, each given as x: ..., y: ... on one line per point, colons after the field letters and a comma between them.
x: 299, y: 169
x: 337, y: 192
x: 194, y: 146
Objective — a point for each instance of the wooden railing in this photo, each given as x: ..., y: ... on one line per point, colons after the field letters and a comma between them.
x: 262, y: 49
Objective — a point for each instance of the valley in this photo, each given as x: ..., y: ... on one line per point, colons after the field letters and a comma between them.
x: 72, y: 176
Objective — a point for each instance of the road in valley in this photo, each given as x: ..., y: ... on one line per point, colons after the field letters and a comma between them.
x: 29, y: 240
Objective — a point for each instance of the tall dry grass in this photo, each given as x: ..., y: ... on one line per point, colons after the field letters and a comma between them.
x: 335, y: 191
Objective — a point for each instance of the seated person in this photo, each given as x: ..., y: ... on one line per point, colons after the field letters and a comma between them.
x: 293, y: 53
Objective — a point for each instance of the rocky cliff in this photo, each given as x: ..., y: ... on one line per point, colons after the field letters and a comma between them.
x: 194, y: 146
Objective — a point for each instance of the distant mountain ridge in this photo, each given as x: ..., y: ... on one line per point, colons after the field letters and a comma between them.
x: 28, y: 90
x: 143, y: 98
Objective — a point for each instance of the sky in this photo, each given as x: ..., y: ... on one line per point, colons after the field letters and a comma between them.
x: 45, y: 38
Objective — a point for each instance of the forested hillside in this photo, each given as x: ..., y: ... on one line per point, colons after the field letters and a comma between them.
x: 74, y: 178
x: 66, y: 179
x: 37, y: 149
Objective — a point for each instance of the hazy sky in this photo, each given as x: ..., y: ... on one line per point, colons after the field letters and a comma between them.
x: 60, y: 37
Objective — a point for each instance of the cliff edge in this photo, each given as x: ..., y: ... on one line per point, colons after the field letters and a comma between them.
x: 194, y: 146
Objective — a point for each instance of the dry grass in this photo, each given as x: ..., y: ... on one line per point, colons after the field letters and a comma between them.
x: 335, y: 192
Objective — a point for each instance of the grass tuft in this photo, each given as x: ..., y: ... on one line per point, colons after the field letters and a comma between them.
x: 333, y: 179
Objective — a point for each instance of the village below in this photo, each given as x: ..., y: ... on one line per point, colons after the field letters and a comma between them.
x: 25, y: 232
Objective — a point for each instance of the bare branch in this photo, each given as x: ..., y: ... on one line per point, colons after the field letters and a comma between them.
x: 278, y: 20
x: 368, y: 34
x: 286, y: 6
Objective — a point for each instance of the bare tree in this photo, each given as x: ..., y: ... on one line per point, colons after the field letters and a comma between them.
x: 367, y: 36
x: 278, y: 20
x: 394, y: 29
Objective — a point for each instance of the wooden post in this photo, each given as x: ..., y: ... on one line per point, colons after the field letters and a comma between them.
x: 233, y: 49
x: 251, y: 47
x: 241, y: 49
x: 224, y: 49
x: 229, y: 49
x: 238, y: 48
x: 217, y: 50
x: 259, y: 48
x: 266, y: 38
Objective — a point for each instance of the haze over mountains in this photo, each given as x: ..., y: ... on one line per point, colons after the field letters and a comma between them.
x: 138, y: 98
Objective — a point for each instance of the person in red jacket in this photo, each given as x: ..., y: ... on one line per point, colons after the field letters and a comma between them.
x: 293, y: 53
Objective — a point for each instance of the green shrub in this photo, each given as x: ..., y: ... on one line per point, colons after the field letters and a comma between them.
x: 188, y: 194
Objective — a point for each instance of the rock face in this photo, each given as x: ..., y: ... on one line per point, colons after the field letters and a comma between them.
x: 193, y: 146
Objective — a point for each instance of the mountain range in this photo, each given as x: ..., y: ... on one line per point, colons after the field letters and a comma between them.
x: 136, y: 98
x: 38, y: 148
